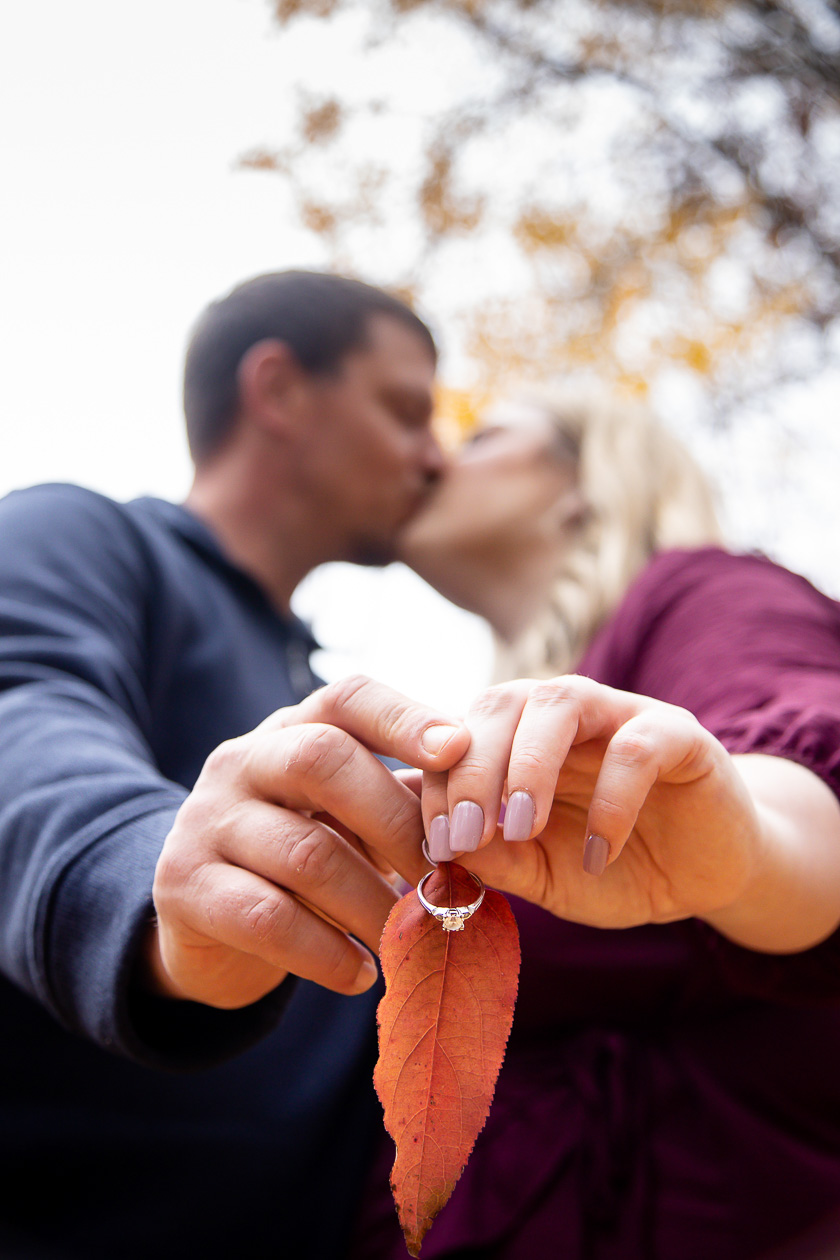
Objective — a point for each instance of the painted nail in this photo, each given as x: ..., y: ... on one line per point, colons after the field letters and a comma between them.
x: 596, y: 851
x: 519, y: 817
x: 439, y: 849
x: 435, y: 738
x: 467, y: 827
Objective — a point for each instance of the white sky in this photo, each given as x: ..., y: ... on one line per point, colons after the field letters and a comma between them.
x: 123, y: 214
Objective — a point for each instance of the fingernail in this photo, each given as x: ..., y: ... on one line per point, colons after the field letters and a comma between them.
x: 596, y: 851
x: 467, y: 827
x: 367, y: 975
x: 439, y: 848
x: 435, y: 738
x: 519, y: 816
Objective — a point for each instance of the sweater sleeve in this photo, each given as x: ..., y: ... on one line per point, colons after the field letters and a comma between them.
x: 754, y: 652
x: 84, y: 810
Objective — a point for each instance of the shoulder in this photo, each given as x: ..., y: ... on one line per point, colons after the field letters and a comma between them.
x: 751, y: 649
x: 673, y: 576
x: 711, y: 589
x: 52, y: 534
x: 693, y: 609
x: 52, y: 510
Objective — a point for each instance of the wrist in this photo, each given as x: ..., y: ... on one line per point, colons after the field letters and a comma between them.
x: 747, y: 918
x: 790, y: 898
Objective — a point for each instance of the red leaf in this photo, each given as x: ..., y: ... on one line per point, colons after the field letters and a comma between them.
x: 443, y: 1026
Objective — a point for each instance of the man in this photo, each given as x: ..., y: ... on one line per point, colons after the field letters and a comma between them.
x: 154, y: 726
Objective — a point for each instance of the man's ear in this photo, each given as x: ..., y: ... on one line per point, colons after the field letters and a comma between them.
x: 272, y: 384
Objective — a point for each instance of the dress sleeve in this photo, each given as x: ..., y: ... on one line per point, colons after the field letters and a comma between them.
x: 84, y: 810
x: 751, y: 649
x: 754, y: 652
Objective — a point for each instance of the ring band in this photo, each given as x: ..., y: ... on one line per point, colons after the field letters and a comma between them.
x: 452, y: 918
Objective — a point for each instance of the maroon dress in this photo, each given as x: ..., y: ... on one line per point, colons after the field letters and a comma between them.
x: 666, y: 1094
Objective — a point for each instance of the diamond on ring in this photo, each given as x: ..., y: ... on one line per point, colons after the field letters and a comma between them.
x: 451, y: 918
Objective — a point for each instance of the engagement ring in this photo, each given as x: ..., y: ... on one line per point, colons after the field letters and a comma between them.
x: 451, y: 918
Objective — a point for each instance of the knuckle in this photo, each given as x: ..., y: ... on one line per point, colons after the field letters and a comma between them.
x: 312, y: 857
x: 340, y: 966
x: 316, y: 751
x: 634, y: 748
x: 270, y: 918
x: 204, y: 819
x: 227, y: 759
x: 395, y: 716
x: 179, y: 880
x: 166, y: 881
x: 403, y: 823
x: 194, y: 817
x: 480, y: 768
x: 180, y: 855
x: 382, y: 711
x: 344, y: 693
x: 492, y: 702
x: 554, y: 694
x: 611, y: 813
x: 279, y: 719
x: 574, y: 684
x: 172, y: 869
x: 529, y: 763
x: 690, y: 726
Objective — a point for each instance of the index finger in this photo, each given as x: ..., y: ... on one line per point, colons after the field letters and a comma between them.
x: 557, y: 714
x: 521, y: 735
x: 383, y: 720
x: 316, y: 768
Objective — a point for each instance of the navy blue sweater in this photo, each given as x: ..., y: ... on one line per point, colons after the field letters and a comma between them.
x: 130, y: 1126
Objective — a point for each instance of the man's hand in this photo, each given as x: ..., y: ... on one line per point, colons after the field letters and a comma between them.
x: 276, y: 858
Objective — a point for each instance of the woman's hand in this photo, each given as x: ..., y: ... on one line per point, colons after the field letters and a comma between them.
x: 623, y: 810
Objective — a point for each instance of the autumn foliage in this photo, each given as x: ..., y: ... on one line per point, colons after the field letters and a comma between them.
x: 443, y: 1026
x: 641, y: 194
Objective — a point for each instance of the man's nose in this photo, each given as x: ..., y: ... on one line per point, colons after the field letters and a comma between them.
x: 435, y: 461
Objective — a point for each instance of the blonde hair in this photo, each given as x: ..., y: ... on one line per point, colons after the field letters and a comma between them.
x: 642, y: 492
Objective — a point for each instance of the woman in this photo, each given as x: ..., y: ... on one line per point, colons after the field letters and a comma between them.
x: 672, y: 841
x: 546, y: 516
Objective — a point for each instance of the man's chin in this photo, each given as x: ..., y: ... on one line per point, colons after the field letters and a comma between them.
x: 374, y: 555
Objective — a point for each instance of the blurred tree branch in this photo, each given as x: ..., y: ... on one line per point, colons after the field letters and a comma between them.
x: 622, y: 188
